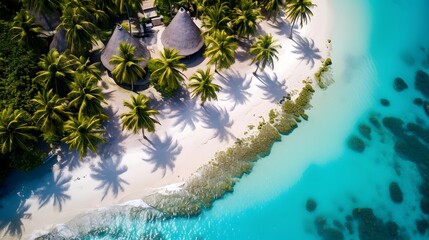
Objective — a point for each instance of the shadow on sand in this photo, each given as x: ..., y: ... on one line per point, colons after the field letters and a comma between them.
x: 306, y: 50
x: 162, y: 153
x: 218, y: 120
x: 184, y: 110
x: 55, y: 188
x: 235, y: 87
x: 21, y: 186
x: 108, y: 172
x: 274, y: 90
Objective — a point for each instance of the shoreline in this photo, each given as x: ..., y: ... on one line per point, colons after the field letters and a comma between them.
x: 134, y: 178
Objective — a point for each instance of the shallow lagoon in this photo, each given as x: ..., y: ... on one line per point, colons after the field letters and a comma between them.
x: 315, y: 161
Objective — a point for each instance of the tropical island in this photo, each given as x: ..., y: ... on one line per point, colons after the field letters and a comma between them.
x: 104, y: 102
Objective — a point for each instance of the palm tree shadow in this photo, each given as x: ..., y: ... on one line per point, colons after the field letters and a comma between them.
x: 55, y: 189
x: 114, y: 136
x: 236, y: 87
x: 162, y: 153
x: 274, y: 90
x: 306, y: 50
x: 242, y: 53
x: 11, y: 215
x: 218, y: 120
x: 185, y: 114
x: 283, y: 28
x: 108, y: 171
x: 68, y: 159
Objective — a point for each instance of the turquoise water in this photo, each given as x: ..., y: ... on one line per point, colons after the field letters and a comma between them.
x: 315, y: 161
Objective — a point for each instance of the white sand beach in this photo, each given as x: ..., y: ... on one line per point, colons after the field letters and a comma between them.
x: 129, y: 167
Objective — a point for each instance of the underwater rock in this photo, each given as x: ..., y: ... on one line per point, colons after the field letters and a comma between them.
x: 332, y: 234
x: 395, y: 192
x: 399, y: 84
x: 338, y: 225
x: 392, y: 229
x: 408, y: 59
x: 426, y: 107
x: 311, y: 205
x: 418, y: 101
x: 384, y: 102
x: 349, y: 224
x: 365, y: 130
x: 424, y: 205
x: 356, y: 144
x: 374, y: 121
x: 422, y: 83
x: 419, y: 131
x: 413, y: 150
x: 394, y: 125
x: 369, y: 226
x: 320, y: 223
x: 422, y: 226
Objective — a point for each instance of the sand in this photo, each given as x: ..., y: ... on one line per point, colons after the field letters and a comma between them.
x: 129, y: 167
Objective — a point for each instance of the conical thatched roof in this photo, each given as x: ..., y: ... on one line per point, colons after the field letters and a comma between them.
x: 59, y: 41
x: 182, y: 34
x: 48, y: 21
x: 112, y: 48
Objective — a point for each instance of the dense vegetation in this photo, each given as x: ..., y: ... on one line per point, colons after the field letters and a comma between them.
x: 52, y: 96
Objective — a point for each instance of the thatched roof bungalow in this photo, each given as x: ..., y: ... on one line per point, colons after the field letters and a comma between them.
x: 59, y: 41
x: 182, y: 34
x: 112, y: 48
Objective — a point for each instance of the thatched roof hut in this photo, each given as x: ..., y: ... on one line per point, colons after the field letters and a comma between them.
x: 112, y: 48
x: 59, y: 41
x: 48, y: 21
x: 182, y: 34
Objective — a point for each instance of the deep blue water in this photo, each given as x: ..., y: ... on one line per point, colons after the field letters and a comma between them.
x: 315, y: 161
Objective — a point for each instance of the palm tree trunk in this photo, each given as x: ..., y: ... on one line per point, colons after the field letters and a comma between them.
x: 132, y: 86
x: 128, y: 16
x: 255, y: 72
x: 291, y: 28
x: 144, y: 136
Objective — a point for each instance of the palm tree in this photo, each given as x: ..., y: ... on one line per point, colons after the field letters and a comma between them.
x: 84, y: 66
x: 299, y: 10
x: 56, y: 73
x: 215, y: 18
x: 220, y: 49
x: 247, y: 16
x: 50, y: 114
x: 26, y: 31
x: 168, y: 69
x: 127, y: 68
x: 88, y: 9
x: 83, y: 134
x: 202, y: 85
x: 43, y: 7
x: 80, y: 33
x: 264, y: 51
x: 15, y: 131
x: 86, y: 96
x: 140, y: 115
x: 272, y: 7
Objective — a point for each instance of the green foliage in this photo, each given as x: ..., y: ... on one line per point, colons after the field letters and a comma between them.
x: 166, y: 70
x: 264, y: 51
x: 140, y: 116
x: 17, y: 69
x: 127, y: 68
x: 322, y: 70
x: 27, y: 160
x: 294, y: 111
x: 201, y: 84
